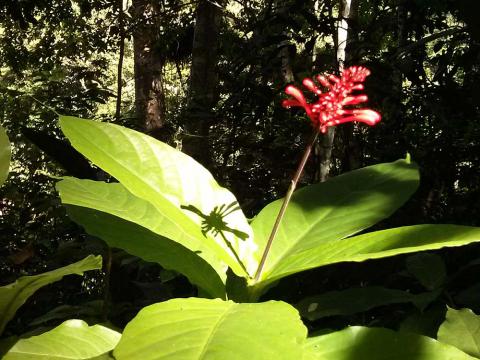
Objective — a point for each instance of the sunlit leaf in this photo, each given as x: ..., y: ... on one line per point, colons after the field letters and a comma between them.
x: 14, y: 295
x: 171, y: 182
x: 462, y: 330
x: 362, y: 343
x: 149, y: 246
x: 379, y: 244
x: 5, y: 155
x: 213, y: 329
x: 322, y: 213
x: 73, y: 340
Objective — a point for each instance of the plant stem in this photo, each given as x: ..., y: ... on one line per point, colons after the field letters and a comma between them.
x: 286, y: 200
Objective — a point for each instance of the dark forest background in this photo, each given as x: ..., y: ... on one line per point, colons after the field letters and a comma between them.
x: 207, y: 77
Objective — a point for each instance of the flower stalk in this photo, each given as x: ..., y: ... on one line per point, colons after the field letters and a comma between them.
x: 336, y: 106
x: 286, y: 201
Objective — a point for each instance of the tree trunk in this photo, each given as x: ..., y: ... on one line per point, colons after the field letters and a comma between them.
x: 352, y: 157
x: 148, y: 66
x: 203, y: 92
x: 121, y: 53
x: 324, y: 148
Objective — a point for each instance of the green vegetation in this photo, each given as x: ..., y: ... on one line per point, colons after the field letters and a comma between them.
x: 164, y: 203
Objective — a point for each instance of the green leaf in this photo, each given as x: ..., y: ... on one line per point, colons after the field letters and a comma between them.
x: 149, y: 246
x: 462, y: 330
x: 73, y: 339
x: 426, y: 322
x: 362, y: 343
x: 5, y: 155
x: 114, y: 199
x: 181, y: 190
x: 14, y: 295
x: 323, y: 213
x: 429, y: 269
x: 469, y: 297
x: 355, y: 300
x: 379, y: 244
x: 213, y: 329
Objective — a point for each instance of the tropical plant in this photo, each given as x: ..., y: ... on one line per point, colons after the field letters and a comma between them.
x: 167, y: 208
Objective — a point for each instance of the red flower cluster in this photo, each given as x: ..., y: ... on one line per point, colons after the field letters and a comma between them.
x: 329, y: 109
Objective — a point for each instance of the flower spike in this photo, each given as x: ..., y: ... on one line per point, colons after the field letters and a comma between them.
x: 329, y: 109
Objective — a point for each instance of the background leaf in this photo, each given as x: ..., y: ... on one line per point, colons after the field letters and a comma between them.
x: 73, y: 339
x: 330, y: 211
x: 462, y: 330
x: 426, y: 322
x: 429, y: 269
x: 166, y: 178
x: 362, y: 343
x: 213, y: 329
x: 5, y: 155
x: 14, y: 295
x: 355, y: 300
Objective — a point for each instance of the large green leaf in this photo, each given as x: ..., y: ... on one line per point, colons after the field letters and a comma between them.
x: 355, y: 300
x: 5, y: 155
x: 73, y: 339
x: 14, y: 295
x: 462, y: 330
x: 154, y: 233
x: 191, y: 329
x: 114, y: 199
x: 379, y: 244
x: 333, y: 210
x: 149, y: 246
x: 362, y: 343
x: 169, y: 180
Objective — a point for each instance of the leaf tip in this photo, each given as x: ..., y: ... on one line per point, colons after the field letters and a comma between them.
x: 408, y: 158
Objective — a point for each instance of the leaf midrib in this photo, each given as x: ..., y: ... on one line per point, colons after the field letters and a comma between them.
x: 215, y: 327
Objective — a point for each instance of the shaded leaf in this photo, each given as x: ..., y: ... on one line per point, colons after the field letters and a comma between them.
x: 14, y: 295
x: 355, y: 300
x: 425, y: 323
x: 213, y: 329
x: 73, y: 339
x: 461, y: 329
x: 469, y: 297
x: 362, y: 343
x: 428, y: 269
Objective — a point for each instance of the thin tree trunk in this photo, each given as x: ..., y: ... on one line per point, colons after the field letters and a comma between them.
x: 148, y: 66
x: 325, y: 146
x: 203, y: 92
x: 351, y: 149
x: 121, y: 53
x: 287, y: 49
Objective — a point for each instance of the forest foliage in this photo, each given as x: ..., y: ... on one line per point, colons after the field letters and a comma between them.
x: 80, y: 187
